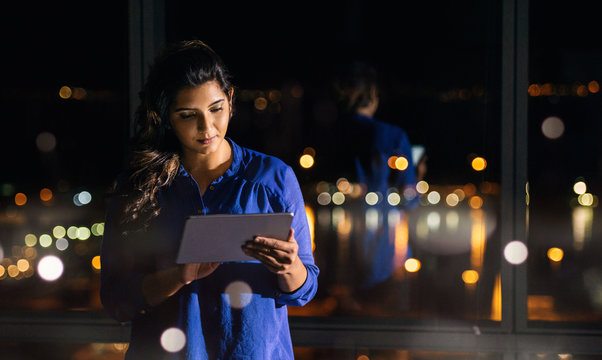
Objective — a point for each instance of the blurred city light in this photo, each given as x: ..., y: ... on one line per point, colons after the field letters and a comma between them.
x: 371, y: 198
x: 45, y: 240
x: 50, y: 268
x: 593, y: 87
x: 475, y: 202
x: 552, y: 127
x: 412, y: 265
x: 65, y: 92
x: 479, y: 163
x: 433, y: 197
x: 238, y: 294
x: 580, y: 187
x: 173, y: 340
x: 46, y: 194
x: 20, y: 199
x: 59, y: 231
x: 555, y: 254
x: 516, y: 252
x: 470, y: 277
x: 401, y: 163
x: 62, y: 244
x: 260, y: 103
x: 452, y: 200
x: 324, y: 198
x: 96, y: 262
x: 30, y: 240
x: 306, y: 161
x: 422, y: 187
x: 586, y: 199
x: 46, y: 142
x: 338, y: 198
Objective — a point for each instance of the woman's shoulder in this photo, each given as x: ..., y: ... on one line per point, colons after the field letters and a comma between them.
x: 265, y: 169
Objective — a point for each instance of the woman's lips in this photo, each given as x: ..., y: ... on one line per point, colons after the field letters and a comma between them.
x: 207, y: 141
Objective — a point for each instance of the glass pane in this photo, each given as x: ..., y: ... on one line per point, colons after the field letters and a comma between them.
x: 441, y: 258
x: 65, y: 113
x: 62, y: 351
x: 379, y: 354
x: 564, y: 272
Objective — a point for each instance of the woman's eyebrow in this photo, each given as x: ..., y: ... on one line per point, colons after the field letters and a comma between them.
x: 189, y: 108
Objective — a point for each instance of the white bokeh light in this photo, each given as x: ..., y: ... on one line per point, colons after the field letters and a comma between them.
x: 552, y: 127
x: 238, y: 294
x: 173, y: 340
x: 50, y: 268
x: 516, y: 252
x: 46, y: 141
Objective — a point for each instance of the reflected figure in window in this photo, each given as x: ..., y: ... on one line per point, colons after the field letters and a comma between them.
x: 378, y: 156
x: 184, y: 164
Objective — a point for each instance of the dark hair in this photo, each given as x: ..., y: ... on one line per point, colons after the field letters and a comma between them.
x: 155, y: 158
x: 353, y: 85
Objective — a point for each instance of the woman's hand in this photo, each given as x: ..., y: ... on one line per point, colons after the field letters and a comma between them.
x: 191, y: 272
x: 280, y: 257
x: 277, y: 255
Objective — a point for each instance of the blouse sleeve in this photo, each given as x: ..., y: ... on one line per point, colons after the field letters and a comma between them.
x: 120, y: 277
x: 296, y: 205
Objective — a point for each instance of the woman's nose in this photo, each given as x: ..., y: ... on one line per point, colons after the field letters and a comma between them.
x: 202, y: 123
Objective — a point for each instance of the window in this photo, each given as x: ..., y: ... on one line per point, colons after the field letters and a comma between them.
x: 502, y: 95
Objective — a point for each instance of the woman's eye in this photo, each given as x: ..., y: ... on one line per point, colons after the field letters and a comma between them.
x: 187, y: 115
x: 216, y: 109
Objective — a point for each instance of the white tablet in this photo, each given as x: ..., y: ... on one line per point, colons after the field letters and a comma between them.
x: 219, y: 237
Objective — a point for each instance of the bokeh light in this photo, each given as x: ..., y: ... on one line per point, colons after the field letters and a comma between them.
x: 324, y: 198
x: 479, y: 163
x: 65, y: 92
x: 30, y: 240
x: 470, y: 277
x: 434, y: 197
x: 516, y: 252
x: 586, y: 199
x: 475, y: 202
x: 46, y: 142
x: 50, y: 268
x: 45, y: 240
x: 371, y: 198
x: 46, y: 194
x: 306, y: 161
x: 580, y: 187
x: 83, y: 233
x: 452, y: 199
x: 62, y: 244
x: 23, y: 265
x: 173, y: 340
x: 412, y: 265
x: 72, y: 232
x: 59, y: 231
x: 98, y: 229
x: 238, y: 294
x: 552, y: 127
x: 422, y: 187
x: 401, y: 163
x: 394, y: 199
x: 338, y: 198
x: 96, y: 262
x: 20, y: 199
x: 555, y: 254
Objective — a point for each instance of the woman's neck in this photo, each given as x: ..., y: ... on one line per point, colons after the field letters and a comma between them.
x: 205, y: 168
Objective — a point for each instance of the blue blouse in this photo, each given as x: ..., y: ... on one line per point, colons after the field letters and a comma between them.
x: 237, y: 312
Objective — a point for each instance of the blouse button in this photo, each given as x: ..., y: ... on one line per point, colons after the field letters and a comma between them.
x: 211, y: 187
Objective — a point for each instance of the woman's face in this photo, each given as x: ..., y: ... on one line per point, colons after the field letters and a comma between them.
x: 199, y: 117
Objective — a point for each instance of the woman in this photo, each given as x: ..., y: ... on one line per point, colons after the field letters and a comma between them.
x: 184, y: 164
